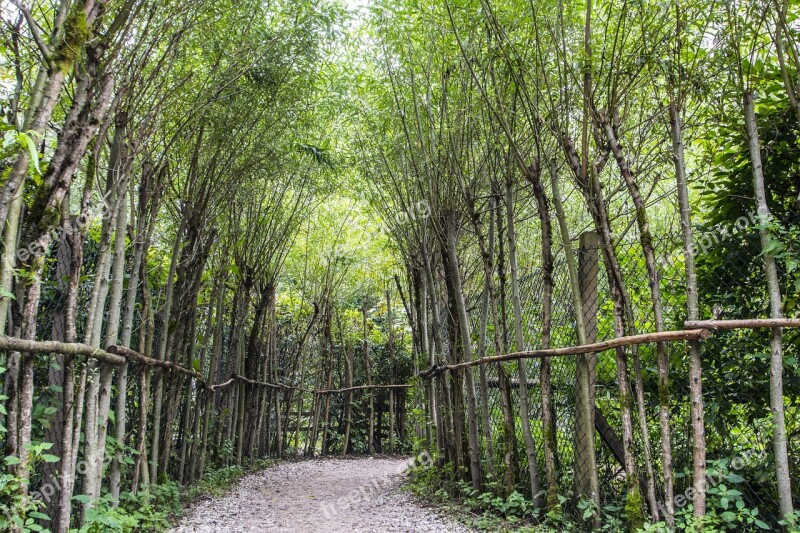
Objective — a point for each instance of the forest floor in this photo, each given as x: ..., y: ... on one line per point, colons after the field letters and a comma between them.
x: 320, y: 495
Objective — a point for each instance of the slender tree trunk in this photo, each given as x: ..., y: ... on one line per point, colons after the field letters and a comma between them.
x: 548, y: 411
x: 301, y: 354
x: 216, y: 353
x: 587, y: 482
x: 161, y: 352
x: 100, y: 390
x: 530, y: 446
x: 620, y: 303
x: 371, y: 430
x: 348, y: 406
x: 273, y: 342
x: 115, y: 307
x: 662, y: 358
x: 146, y: 341
x: 501, y: 345
x: 89, y: 104
x: 692, y: 313
x: 53, y: 431
x: 440, y: 383
x: 328, y: 339
x: 392, y: 363
x: 779, y: 437
x: 486, y: 419
x: 61, y: 518
x: 466, y: 346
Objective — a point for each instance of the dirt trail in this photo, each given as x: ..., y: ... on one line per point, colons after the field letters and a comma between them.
x: 321, y: 495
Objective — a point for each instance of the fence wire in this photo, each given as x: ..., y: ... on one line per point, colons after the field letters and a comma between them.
x: 735, y: 384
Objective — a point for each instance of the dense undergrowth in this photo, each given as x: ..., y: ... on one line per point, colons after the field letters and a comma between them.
x: 155, y: 508
x: 492, y: 511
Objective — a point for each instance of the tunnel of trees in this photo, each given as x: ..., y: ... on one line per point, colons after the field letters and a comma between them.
x: 241, y: 230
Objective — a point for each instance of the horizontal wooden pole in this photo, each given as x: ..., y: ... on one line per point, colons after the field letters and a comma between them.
x: 66, y: 348
x: 317, y: 391
x: 364, y: 387
x: 663, y: 336
x: 119, y: 355
x: 222, y: 385
x: 269, y: 385
x: 746, y: 323
x: 115, y: 355
x: 139, y: 358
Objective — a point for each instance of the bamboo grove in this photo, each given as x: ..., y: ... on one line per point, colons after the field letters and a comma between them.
x: 557, y: 144
x: 242, y: 230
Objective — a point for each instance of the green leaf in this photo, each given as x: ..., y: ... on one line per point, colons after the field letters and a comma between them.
x: 50, y: 458
x: 25, y: 141
x: 12, y: 460
x: 762, y: 525
x: 728, y: 516
x: 82, y: 498
x: 774, y: 246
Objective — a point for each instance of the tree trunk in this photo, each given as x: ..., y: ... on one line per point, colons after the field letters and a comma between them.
x: 216, y: 353
x: 779, y: 437
x: 466, y: 347
x: 662, y: 358
x: 371, y: 431
x: 61, y: 518
x: 692, y: 313
x: 348, y: 406
x: 586, y: 480
x: 486, y: 419
x: 548, y: 411
x: 89, y: 104
x: 161, y: 353
x: 501, y: 344
x: 530, y: 446
x: 115, y: 308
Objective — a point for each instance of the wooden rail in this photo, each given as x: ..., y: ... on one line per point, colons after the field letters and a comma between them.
x: 749, y: 323
x: 66, y: 348
x: 127, y: 353
x: 664, y: 336
x: 311, y: 391
x: 118, y: 355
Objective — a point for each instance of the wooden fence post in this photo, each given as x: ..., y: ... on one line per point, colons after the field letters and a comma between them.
x: 585, y: 459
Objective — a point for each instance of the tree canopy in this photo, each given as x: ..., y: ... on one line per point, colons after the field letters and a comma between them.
x: 268, y: 229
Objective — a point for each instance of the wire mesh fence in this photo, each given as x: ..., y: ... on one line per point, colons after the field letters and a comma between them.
x: 608, y: 439
x: 735, y: 386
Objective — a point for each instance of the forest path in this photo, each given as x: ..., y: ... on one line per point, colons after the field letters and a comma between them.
x: 319, y: 495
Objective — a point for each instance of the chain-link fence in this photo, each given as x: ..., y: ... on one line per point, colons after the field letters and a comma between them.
x: 740, y: 464
x: 607, y: 437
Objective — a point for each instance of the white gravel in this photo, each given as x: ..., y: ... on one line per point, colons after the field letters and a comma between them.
x: 319, y: 495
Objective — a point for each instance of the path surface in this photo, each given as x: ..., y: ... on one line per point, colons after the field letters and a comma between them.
x: 321, y: 495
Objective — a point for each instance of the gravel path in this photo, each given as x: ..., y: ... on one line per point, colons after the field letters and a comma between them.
x: 320, y: 495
